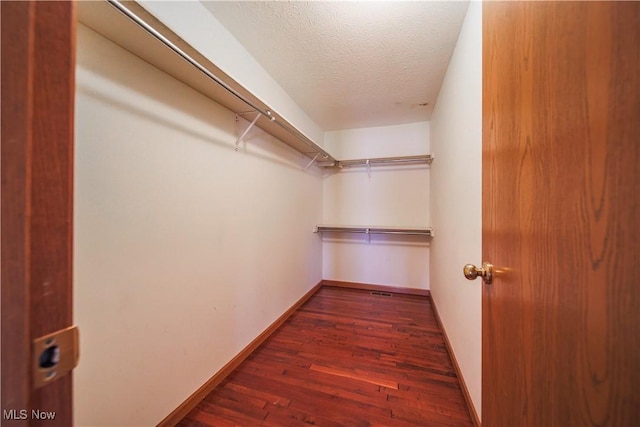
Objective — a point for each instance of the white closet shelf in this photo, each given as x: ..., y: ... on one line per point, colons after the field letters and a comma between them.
x: 380, y: 161
x: 133, y: 28
x: 374, y: 229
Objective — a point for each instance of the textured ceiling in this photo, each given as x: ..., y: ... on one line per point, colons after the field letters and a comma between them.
x: 350, y: 64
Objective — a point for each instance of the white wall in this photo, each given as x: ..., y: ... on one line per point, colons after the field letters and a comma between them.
x: 456, y: 204
x: 380, y: 196
x: 197, y: 26
x: 185, y: 250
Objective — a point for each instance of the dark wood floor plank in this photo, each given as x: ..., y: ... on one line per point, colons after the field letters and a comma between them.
x: 219, y: 422
x: 198, y: 417
x: 238, y: 397
x: 345, y: 358
x: 290, y: 417
x: 356, y: 375
x: 271, y: 399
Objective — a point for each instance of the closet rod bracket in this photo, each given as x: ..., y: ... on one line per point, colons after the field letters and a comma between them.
x: 246, y: 131
x: 311, y: 162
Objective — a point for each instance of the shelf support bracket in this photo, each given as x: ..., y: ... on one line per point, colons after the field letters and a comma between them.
x: 246, y: 131
x: 311, y: 162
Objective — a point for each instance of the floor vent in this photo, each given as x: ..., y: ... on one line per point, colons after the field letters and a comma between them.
x: 381, y: 294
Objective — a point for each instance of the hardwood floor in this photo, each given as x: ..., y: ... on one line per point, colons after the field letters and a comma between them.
x: 345, y: 358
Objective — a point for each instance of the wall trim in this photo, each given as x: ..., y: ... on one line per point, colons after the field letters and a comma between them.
x: 372, y: 287
x: 192, y: 401
x: 463, y: 385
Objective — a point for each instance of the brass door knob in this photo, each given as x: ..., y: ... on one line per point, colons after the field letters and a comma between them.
x: 486, y: 272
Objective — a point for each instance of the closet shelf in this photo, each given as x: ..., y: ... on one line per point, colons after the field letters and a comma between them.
x: 133, y: 28
x: 380, y: 161
x: 370, y: 229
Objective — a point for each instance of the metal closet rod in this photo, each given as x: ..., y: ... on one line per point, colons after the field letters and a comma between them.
x: 158, y: 36
x: 155, y: 33
x: 425, y: 158
x: 374, y: 230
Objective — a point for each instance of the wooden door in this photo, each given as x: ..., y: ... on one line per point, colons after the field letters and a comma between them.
x: 561, y: 213
x: 38, y: 63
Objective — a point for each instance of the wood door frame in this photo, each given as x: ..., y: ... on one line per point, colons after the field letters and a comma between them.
x: 38, y: 86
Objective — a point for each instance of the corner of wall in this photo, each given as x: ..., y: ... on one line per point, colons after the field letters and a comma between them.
x: 456, y: 207
x: 384, y: 196
x: 170, y: 236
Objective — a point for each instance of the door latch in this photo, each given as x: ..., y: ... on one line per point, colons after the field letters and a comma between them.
x: 55, y: 355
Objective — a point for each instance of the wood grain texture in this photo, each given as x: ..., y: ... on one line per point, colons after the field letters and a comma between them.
x: 17, y: 112
x: 51, y: 234
x: 192, y: 401
x: 381, y: 288
x: 561, y: 166
x: 346, y: 357
x: 37, y: 132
